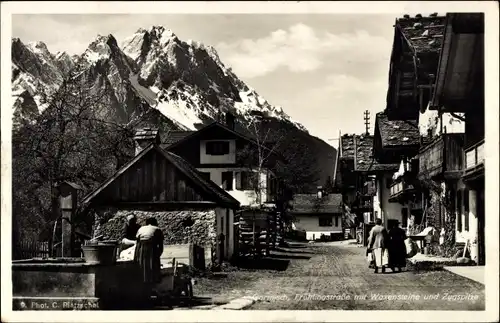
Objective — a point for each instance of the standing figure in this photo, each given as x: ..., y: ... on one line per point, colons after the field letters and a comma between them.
x: 129, y: 233
x: 377, y: 244
x: 148, y: 251
x: 397, y: 248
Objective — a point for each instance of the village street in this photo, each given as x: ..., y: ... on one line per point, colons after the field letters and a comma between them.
x: 330, y: 276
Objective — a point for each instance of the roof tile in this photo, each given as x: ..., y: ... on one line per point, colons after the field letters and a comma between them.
x: 309, y: 203
x: 424, y: 34
x: 397, y: 132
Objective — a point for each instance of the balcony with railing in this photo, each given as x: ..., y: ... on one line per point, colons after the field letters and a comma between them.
x: 474, y: 160
x: 400, y: 190
x: 443, y: 156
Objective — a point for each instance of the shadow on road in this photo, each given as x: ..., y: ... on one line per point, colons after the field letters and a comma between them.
x: 266, y: 263
x: 291, y: 257
x: 293, y: 251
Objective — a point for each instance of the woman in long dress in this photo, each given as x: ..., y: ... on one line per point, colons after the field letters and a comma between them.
x: 397, y: 248
x: 129, y: 233
x: 148, y: 251
x: 377, y: 244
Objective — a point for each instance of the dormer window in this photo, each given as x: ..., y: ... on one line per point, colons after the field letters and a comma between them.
x: 217, y: 148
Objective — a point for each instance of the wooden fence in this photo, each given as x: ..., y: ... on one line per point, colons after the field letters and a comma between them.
x: 31, y: 249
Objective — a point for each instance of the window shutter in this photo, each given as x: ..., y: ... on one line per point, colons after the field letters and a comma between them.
x: 459, y: 210
x: 238, y: 181
x: 466, y: 209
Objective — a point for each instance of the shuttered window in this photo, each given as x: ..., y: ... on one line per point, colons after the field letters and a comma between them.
x: 466, y: 209
x: 217, y: 148
x: 246, y: 181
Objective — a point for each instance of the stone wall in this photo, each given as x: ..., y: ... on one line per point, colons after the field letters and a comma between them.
x: 179, y: 227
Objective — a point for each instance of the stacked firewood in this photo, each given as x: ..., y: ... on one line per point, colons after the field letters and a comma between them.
x: 254, y: 236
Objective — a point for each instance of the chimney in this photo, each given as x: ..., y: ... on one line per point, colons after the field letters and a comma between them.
x: 230, y: 120
x: 320, y: 192
x: 144, y: 137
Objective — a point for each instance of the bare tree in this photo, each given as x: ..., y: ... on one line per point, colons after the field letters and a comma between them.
x: 261, y: 157
x: 73, y: 139
x: 279, y: 151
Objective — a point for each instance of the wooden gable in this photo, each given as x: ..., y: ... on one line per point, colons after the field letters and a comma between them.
x: 189, y: 146
x: 152, y: 179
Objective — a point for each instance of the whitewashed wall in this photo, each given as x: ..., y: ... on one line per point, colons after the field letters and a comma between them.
x: 245, y: 197
x: 218, y: 159
x: 381, y: 206
x: 310, y: 224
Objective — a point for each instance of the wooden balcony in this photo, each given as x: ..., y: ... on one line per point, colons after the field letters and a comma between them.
x: 474, y: 161
x: 442, y: 157
x: 400, y: 191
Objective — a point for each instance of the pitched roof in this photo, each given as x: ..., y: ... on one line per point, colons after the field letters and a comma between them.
x: 245, y: 135
x: 347, y: 146
x: 172, y: 137
x: 397, y: 132
x: 423, y: 34
x: 193, y: 173
x: 309, y: 203
x: 363, y: 146
x: 207, y: 185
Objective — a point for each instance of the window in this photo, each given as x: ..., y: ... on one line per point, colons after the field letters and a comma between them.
x: 246, y: 181
x: 459, y: 211
x: 227, y: 181
x: 325, y: 221
x: 217, y: 148
x: 337, y: 221
x: 205, y: 175
x: 466, y: 209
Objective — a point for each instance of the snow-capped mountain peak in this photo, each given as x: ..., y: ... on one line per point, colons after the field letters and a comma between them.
x: 101, y: 48
x: 39, y: 47
x: 152, y: 72
x: 186, y: 81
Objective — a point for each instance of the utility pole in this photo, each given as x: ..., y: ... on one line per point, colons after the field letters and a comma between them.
x: 367, y: 121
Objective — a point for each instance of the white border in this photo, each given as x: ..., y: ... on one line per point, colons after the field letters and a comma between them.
x: 492, y: 105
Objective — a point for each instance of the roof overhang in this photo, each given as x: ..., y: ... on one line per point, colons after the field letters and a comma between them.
x: 457, y: 58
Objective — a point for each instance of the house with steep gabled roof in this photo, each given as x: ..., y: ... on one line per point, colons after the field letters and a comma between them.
x: 456, y: 161
x: 226, y: 157
x: 160, y: 184
x: 318, y: 215
x: 413, y: 64
x: 395, y: 144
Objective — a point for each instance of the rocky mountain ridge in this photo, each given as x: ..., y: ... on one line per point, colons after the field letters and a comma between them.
x: 185, y: 81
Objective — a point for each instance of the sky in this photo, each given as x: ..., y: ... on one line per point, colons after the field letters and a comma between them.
x: 325, y: 70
